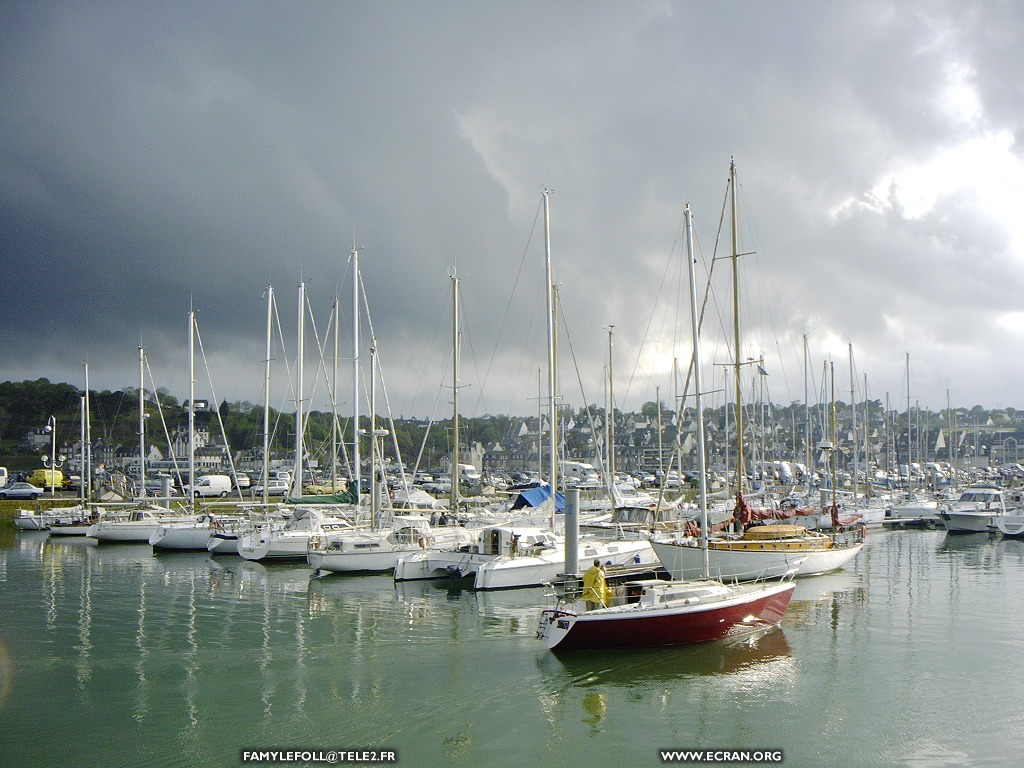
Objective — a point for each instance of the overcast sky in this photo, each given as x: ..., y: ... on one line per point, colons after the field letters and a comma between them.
x: 157, y: 156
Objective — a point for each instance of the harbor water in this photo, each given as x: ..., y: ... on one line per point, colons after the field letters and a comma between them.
x: 111, y: 655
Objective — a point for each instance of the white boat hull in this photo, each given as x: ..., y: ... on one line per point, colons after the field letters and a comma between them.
x: 507, y: 572
x: 123, y: 531
x: 1010, y: 525
x: 966, y: 522
x: 181, y: 538
x: 511, y: 572
x: 222, y: 544
x: 380, y: 560
x: 285, y: 545
x: 70, y: 529
x: 685, y: 560
x: 30, y: 521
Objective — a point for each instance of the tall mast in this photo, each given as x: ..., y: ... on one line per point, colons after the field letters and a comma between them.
x: 853, y: 417
x: 355, y: 369
x: 736, y: 330
x: 809, y: 471
x: 910, y: 455
x: 81, y: 484
x: 702, y: 475
x: 835, y: 446
x: 300, y: 353
x: 611, y: 410
x: 142, y: 422
x: 191, y: 409
x: 455, y: 389
x: 552, y: 406
x: 266, y: 395
x: 374, y: 482
x: 334, y: 400
x: 87, y: 455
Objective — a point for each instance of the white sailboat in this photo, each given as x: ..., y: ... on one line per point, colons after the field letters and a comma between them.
x: 761, y: 550
x: 378, y: 548
x: 140, y: 523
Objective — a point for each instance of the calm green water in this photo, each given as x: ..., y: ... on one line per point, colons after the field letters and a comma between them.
x: 111, y: 656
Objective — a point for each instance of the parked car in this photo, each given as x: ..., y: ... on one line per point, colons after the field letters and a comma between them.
x: 274, y: 488
x: 20, y: 491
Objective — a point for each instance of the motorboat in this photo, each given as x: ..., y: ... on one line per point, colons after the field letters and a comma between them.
x: 977, y: 510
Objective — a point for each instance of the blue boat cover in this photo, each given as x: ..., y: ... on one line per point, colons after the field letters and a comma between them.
x: 535, y: 497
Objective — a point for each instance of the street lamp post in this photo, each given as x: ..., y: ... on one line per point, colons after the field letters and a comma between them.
x: 53, y: 462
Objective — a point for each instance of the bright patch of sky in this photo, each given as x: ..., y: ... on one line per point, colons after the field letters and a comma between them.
x: 983, y: 167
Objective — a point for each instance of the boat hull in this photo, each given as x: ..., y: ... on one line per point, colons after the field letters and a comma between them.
x: 181, y: 539
x: 279, y: 547
x: 222, y: 544
x: 513, y: 572
x: 70, y: 529
x: 123, y: 531
x: 506, y: 572
x: 30, y: 521
x: 1010, y: 525
x: 646, y: 627
x: 685, y: 560
x: 966, y: 522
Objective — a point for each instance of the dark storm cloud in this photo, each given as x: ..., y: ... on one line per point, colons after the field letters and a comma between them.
x: 160, y: 156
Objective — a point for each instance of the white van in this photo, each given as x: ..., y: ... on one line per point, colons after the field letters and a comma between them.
x: 3, y: 477
x: 210, y: 485
x: 468, y: 475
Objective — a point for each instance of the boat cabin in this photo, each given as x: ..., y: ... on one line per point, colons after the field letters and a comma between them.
x: 513, y: 540
x: 650, y: 593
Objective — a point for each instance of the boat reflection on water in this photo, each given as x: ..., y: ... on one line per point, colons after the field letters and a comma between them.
x: 764, y: 655
x: 829, y: 585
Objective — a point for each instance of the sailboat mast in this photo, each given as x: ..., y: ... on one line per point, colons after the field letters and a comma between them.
x: 853, y: 418
x: 611, y: 409
x: 266, y: 395
x: 807, y: 419
x: 142, y: 421
x: 87, y: 457
x: 552, y: 405
x: 702, y: 475
x: 455, y: 390
x: 296, y: 489
x: 374, y: 484
x: 334, y: 400
x: 736, y: 331
x: 909, y: 453
x: 81, y: 485
x: 191, y: 410
x: 355, y: 369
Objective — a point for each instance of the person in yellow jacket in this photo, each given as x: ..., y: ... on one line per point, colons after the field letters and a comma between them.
x: 595, y: 588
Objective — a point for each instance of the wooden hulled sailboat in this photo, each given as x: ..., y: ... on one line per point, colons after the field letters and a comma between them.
x: 760, y: 551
